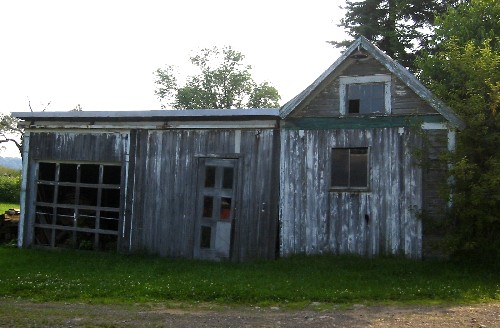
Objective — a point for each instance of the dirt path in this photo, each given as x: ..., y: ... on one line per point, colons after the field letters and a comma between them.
x: 28, y: 314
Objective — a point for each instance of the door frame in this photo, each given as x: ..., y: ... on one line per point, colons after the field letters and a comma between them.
x: 212, y: 254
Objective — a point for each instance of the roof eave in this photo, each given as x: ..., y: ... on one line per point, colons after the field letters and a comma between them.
x: 394, y: 67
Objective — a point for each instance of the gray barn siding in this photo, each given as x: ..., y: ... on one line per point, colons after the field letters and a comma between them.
x: 165, y: 190
x: 77, y: 146
x: 315, y: 219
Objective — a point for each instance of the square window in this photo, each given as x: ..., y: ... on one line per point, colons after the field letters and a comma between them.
x: 362, y: 95
x: 350, y: 168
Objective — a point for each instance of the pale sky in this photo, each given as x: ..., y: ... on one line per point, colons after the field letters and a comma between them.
x: 101, y: 54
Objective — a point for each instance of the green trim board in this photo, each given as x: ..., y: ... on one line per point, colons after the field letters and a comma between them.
x: 325, y: 123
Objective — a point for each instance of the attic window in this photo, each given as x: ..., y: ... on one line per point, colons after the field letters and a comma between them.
x: 361, y: 95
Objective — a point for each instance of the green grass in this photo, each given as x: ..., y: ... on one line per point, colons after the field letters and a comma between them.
x: 43, y: 275
x: 6, y: 206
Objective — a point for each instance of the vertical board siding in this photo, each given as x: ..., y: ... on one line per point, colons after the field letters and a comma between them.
x: 382, y: 220
x: 166, y: 184
x: 77, y: 146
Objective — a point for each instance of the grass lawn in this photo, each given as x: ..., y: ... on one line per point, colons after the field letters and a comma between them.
x: 6, y: 206
x: 43, y: 275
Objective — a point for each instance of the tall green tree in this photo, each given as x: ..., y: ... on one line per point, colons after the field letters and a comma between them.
x: 464, y: 71
x: 401, y: 28
x: 223, y: 81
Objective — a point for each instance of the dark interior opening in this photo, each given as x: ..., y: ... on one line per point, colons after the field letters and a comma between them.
x: 206, y: 235
x: 353, y: 106
x: 112, y: 174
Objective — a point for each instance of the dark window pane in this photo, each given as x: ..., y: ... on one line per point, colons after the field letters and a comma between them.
x: 112, y: 174
x: 209, y: 176
x: 359, y: 168
x: 353, y: 106
x: 43, y: 215
x: 88, y: 196
x: 65, y: 216
x: 86, y: 219
x: 340, y: 167
x: 227, y: 181
x: 47, y: 171
x: 45, y: 193
x: 205, y: 237
x: 109, y: 220
x: 110, y: 198
x: 66, y: 195
x: 67, y: 172
x: 208, y: 206
x: 225, y: 208
x: 109, y: 224
x: 89, y: 173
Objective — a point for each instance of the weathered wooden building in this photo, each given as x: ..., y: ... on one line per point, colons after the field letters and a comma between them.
x: 175, y: 183
x: 337, y: 169
x: 359, y: 150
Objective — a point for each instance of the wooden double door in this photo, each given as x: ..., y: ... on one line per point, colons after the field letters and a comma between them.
x: 214, y: 230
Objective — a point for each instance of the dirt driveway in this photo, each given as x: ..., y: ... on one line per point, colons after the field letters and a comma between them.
x: 27, y: 314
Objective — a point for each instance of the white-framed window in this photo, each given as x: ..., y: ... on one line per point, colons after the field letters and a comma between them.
x: 361, y: 95
x: 350, y: 170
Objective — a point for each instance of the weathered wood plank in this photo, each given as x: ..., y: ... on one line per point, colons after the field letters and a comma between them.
x: 380, y: 220
x: 169, y: 190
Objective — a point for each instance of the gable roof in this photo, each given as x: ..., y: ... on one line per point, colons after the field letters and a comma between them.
x: 394, y: 67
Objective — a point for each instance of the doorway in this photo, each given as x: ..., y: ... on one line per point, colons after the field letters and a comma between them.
x: 214, y: 228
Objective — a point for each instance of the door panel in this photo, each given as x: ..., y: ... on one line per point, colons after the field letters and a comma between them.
x: 216, y: 186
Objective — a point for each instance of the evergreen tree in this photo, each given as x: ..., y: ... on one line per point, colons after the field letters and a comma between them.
x: 401, y: 28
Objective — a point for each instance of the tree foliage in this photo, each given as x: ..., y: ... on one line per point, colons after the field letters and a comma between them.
x: 223, y: 81
x: 401, y: 28
x: 464, y: 71
x: 10, y: 132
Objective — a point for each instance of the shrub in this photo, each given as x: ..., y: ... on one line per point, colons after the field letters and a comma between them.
x: 10, y: 187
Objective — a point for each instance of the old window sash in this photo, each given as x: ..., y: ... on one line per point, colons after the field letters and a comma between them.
x: 367, y: 93
x: 77, y: 205
x: 350, y: 169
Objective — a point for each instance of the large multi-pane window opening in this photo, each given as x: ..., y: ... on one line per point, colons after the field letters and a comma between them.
x: 349, y: 168
x: 363, y: 95
x: 77, y: 205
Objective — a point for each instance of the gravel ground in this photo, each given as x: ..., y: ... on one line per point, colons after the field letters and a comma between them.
x: 28, y: 314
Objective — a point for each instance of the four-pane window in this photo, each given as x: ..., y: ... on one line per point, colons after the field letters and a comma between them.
x: 349, y: 168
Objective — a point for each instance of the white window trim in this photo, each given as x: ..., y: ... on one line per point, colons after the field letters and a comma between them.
x: 379, y: 78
